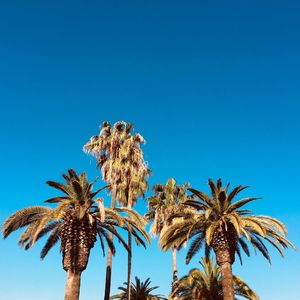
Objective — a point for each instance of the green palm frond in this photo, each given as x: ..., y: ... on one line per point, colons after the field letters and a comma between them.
x: 57, y: 199
x: 204, y: 197
x: 51, y: 241
x: 206, y: 284
x: 166, y: 204
x: 195, y: 247
x: 48, y: 228
x: 240, y: 203
x: 23, y: 218
x: 113, y: 230
x: 102, y: 232
x: 59, y: 186
x: 242, y: 289
x: 139, y: 291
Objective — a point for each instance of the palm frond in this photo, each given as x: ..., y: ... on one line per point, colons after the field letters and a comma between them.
x: 51, y: 241
x: 195, y: 247
x: 235, y: 191
x: 23, y: 218
x: 240, y: 203
x: 59, y: 186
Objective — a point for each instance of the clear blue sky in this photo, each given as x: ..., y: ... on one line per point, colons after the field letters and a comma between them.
x: 213, y: 86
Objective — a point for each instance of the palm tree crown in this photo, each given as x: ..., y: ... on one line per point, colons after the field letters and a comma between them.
x: 221, y: 224
x: 206, y: 284
x: 75, y: 221
x: 139, y: 291
x: 166, y: 201
x: 120, y: 157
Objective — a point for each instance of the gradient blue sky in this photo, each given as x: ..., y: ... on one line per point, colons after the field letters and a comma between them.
x: 213, y: 86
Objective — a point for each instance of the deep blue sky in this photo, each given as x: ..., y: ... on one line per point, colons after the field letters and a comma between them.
x: 213, y: 86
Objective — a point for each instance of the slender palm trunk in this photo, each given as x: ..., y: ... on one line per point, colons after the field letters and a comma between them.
x: 129, y: 266
x: 109, y: 257
x: 72, y: 285
x: 227, y: 281
x: 174, y: 266
x: 108, y: 272
x: 129, y: 259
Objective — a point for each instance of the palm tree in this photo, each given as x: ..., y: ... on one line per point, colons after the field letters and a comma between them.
x: 105, y: 147
x: 166, y: 201
x: 120, y: 158
x: 206, y: 284
x: 134, y: 175
x: 224, y: 227
x: 139, y: 291
x: 75, y: 221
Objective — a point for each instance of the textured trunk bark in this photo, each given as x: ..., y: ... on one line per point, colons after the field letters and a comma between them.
x: 227, y: 282
x: 109, y: 257
x: 129, y: 258
x: 72, y: 285
x: 78, y: 236
x: 174, y: 265
x: 224, y: 245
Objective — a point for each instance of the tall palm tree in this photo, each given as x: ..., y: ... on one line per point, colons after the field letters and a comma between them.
x: 75, y: 222
x: 139, y: 291
x: 106, y: 147
x: 122, y: 164
x: 224, y: 227
x: 134, y: 174
x: 166, y: 201
x: 206, y: 284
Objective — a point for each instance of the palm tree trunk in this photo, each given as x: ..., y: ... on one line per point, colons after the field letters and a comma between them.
x: 109, y: 256
x: 108, y: 272
x: 174, y: 265
x: 129, y: 258
x: 72, y: 285
x: 129, y: 267
x: 227, y: 282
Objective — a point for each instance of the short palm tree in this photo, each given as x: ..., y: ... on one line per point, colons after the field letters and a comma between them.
x: 122, y: 164
x: 75, y: 222
x: 139, y: 291
x: 166, y: 201
x: 221, y: 225
x: 206, y: 284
